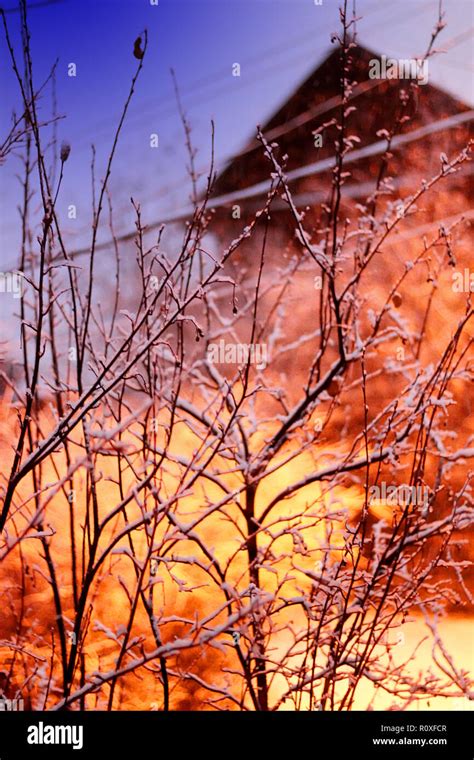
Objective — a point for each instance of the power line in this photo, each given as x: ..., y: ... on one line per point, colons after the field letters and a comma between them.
x: 317, y: 167
x: 378, y: 147
x: 353, y: 190
x: 194, y: 88
x: 32, y: 6
x: 423, y: 228
x: 304, y: 117
x: 198, y: 98
x: 310, y: 113
x: 282, y: 129
x: 331, y: 103
x: 297, y: 121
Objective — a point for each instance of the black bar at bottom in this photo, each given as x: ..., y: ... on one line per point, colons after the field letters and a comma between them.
x: 120, y: 735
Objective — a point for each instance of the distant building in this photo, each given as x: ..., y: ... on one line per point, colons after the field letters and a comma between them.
x: 298, y: 129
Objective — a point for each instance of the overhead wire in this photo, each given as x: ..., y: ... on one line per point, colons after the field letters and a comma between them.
x: 311, y: 169
x: 278, y: 131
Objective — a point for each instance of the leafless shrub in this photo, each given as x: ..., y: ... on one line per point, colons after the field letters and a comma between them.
x: 144, y: 473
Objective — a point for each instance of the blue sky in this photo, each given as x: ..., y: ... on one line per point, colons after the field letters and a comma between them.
x: 276, y: 42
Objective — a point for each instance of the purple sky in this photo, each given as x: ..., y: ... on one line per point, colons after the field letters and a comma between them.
x: 276, y: 42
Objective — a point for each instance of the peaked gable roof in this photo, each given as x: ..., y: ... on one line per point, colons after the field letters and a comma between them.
x: 316, y: 102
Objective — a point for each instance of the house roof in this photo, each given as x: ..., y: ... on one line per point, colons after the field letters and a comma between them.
x: 317, y: 101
